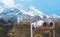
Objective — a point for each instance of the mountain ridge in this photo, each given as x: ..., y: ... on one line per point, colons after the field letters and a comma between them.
x: 32, y: 14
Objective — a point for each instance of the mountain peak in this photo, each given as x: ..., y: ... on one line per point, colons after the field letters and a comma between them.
x: 32, y: 15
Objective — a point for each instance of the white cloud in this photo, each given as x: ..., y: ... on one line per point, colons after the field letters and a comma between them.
x: 8, y: 3
x: 19, y: 6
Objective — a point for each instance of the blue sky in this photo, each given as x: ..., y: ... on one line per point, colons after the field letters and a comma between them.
x: 46, y: 6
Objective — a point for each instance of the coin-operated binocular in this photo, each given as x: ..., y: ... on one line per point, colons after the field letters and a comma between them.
x: 43, y: 29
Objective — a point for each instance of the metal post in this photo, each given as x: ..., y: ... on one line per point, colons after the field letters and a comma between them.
x: 31, y: 31
x: 53, y: 30
x: 54, y: 33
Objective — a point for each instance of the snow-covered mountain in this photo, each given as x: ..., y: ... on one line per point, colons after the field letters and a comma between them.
x: 53, y: 16
x: 14, y: 13
x: 31, y: 15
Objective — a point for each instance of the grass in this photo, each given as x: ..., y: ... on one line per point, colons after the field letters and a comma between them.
x: 23, y: 30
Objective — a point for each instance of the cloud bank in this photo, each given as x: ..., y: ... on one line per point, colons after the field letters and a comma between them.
x: 8, y: 3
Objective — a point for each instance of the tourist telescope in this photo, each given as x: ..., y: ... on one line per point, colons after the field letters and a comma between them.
x: 43, y: 29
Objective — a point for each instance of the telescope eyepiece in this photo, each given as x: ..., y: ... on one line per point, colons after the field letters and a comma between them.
x: 51, y: 24
x: 44, y: 24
